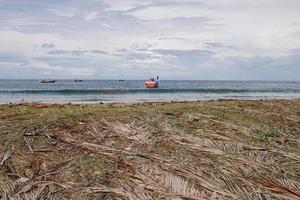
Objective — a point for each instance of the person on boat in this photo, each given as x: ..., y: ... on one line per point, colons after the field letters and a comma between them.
x: 157, y: 80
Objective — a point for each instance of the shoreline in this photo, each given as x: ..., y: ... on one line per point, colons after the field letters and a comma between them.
x: 227, y: 149
x: 147, y: 102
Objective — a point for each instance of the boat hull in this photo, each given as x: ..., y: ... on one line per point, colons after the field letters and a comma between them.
x: 151, y: 84
x: 48, y: 81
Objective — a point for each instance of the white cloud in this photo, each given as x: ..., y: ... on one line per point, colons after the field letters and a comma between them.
x: 63, y: 13
x: 170, y: 11
x: 91, y: 16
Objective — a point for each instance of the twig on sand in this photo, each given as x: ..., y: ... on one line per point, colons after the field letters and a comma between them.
x: 29, y: 147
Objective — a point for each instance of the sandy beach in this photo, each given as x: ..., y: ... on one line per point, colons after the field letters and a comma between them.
x: 226, y: 149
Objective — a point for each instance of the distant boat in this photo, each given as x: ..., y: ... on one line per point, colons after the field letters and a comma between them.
x: 47, y: 81
x: 121, y: 80
x: 78, y: 80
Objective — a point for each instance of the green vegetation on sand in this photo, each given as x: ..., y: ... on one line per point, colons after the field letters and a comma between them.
x: 185, y: 150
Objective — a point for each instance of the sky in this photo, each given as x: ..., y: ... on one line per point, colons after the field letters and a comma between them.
x: 133, y: 39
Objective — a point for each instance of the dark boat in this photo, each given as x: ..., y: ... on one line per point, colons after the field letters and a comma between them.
x: 78, y: 80
x: 47, y: 81
x: 121, y: 80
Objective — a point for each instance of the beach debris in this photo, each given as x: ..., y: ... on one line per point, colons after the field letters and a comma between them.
x: 5, y: 155
x: 193, y: 152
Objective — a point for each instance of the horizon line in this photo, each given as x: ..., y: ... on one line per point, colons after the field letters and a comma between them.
x: 65, y: 79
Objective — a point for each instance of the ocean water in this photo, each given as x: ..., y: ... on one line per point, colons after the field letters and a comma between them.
x: 95, y: 91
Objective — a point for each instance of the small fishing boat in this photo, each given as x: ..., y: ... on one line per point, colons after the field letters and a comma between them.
x: 47, y: 81
x: 78, y: 80
x: 121, y: 80
x: 151, y: 84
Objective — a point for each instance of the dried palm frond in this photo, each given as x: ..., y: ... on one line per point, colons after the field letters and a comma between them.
x: 7, y: 189
x: 29, y: 190
x: 282, y: 190
x: 5, y: 155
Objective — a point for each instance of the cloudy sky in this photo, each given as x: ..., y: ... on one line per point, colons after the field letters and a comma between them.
x: 177, y: 39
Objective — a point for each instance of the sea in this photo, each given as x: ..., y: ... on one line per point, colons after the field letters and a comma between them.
x: 110, y: 91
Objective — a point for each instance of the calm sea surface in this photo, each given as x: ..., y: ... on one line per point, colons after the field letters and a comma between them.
x: 93, y: 91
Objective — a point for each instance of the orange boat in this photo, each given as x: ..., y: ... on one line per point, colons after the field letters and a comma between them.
x: 151, y: 84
